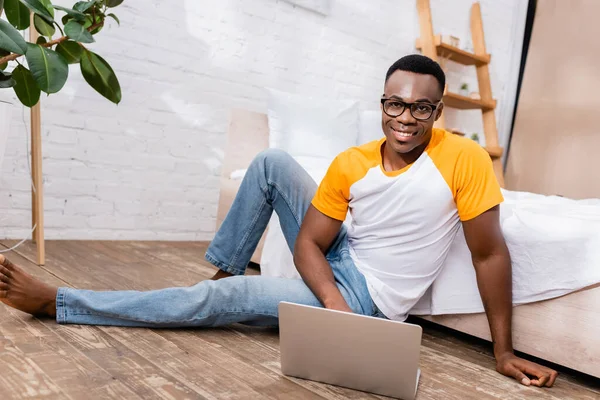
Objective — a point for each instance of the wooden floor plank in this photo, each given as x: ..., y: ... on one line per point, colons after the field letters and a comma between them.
x: 199, y: 362
x: 21, y: 376
x: 143, y: 378
x: 76, y: 375
x: 185, y: 353
x: 41, y: 342
x: 260, y: 350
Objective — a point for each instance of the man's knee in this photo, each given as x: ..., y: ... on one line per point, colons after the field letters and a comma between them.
x: 270, y: 158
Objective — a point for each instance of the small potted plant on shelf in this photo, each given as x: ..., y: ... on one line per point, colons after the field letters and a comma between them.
x: 464, y: 89
x: 475, y: 137
x: 31, y: 68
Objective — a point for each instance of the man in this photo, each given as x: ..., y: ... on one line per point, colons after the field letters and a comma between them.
x: 407, y: 194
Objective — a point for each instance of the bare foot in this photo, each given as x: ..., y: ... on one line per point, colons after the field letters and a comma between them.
x: 220, y: 275
x: 22, y: 291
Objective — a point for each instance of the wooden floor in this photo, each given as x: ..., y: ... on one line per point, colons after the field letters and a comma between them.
x: 43, y: 360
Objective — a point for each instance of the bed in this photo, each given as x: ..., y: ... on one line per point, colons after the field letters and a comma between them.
x: 564, y: 330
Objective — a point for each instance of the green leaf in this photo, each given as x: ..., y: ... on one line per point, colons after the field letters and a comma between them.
x: 49, y: 69
x: 6, y: 80
x: 77, y: 32
x: 113, y: 16
x: 83, y: 6
x: 41, y: 40
x: 113, y: 3
x: 71, y: 51
x: 17, y: 14
x: 43, y: 27
x: 26, y: 89
x: 37, y: 7
x: 48, y: 6
x: 99, y: 75
x: 71, y: 13
x: 11, y: 39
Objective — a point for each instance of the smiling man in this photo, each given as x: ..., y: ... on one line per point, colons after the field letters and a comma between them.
x: 407, y: 193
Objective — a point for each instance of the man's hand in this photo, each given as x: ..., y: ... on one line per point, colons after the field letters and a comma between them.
x: 510, y: 365
x: 339, y: 305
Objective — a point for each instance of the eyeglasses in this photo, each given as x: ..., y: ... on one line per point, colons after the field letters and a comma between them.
x: 420, y: 111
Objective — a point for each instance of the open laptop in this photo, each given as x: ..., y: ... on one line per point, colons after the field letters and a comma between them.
x: 351, y: 350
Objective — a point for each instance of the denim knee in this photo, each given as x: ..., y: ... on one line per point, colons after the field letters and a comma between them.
x: 270, y: 158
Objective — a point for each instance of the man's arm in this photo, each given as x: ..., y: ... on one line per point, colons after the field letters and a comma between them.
x: 494, y: 279
x: 317, y: 232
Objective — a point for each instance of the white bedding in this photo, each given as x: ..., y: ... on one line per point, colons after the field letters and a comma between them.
x: 554, y: 244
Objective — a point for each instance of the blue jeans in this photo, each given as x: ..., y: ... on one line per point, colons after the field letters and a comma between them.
x: 274, y: 181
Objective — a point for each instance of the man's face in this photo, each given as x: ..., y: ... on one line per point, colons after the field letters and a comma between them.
x: 404, y: 133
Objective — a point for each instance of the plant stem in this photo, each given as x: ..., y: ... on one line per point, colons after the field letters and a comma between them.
x: 14, y: 56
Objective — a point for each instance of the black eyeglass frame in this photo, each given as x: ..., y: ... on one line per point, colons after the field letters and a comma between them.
x: 409, y: 106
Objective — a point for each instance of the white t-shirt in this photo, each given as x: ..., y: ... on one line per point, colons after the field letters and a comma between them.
x: 403, y: 222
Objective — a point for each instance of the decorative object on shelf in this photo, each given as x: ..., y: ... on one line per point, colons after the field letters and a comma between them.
x: 475, y: 95
x: 47, y: 68
x: 464, y: 89
x: 451, y: 40
x: 475, y: 137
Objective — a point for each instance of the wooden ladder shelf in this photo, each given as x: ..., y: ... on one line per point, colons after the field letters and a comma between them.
x: 432, y: 46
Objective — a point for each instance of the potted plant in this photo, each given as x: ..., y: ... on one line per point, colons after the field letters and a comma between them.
x: 464, y: 89
x: 475, y: 137
x: 31, y: 68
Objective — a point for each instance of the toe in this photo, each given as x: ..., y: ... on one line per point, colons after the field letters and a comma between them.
x: 5, y: 262
x: 5, y: 273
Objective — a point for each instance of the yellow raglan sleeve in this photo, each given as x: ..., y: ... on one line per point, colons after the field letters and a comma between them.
x: 477, y: 188
x: 333, y: 193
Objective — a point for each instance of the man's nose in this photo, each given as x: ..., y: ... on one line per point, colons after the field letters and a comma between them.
x: 406, y: 117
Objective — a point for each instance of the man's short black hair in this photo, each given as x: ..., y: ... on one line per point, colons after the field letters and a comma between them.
x: 419, y: 64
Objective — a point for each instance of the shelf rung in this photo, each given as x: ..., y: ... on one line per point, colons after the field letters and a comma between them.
x: 457, y: 55
x: 494, y: 151
x: 456, y: 132
x: 461, y: 102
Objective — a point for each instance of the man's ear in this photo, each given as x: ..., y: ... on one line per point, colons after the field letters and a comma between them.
x: 438, y: 111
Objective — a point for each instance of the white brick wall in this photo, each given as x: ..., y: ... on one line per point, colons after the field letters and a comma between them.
x: 149, y: 168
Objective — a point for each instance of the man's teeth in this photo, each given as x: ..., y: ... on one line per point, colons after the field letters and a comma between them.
x: 404, y: 134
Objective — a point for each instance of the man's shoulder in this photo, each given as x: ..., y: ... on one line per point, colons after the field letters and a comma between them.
x: 354, y: 163
x: 365, y: 154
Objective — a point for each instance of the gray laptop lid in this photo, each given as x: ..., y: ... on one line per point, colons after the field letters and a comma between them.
x: 351, y: 350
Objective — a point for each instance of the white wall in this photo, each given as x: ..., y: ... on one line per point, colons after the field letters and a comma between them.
x: 149, y: 168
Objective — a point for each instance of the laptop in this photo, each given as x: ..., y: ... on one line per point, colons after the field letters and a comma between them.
x: 370, y: 354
